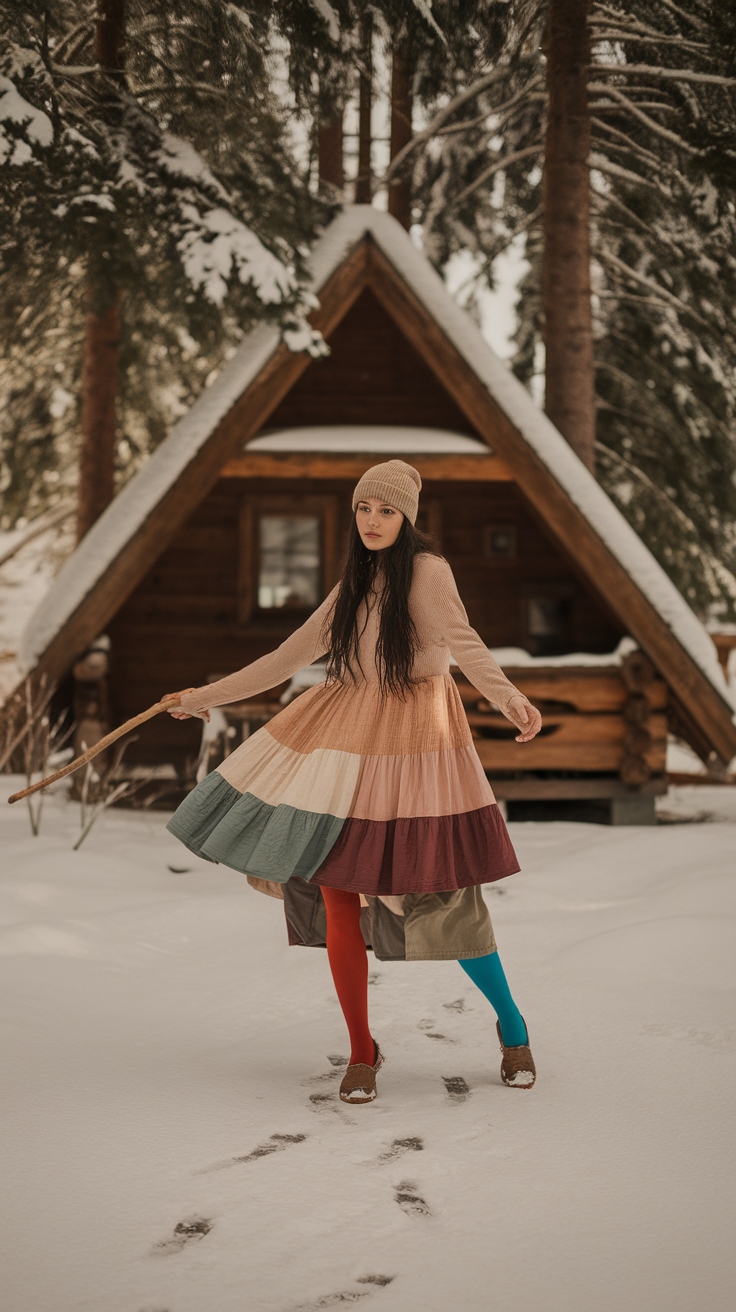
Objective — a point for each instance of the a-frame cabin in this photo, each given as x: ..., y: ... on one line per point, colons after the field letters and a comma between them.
x: 234, y: 530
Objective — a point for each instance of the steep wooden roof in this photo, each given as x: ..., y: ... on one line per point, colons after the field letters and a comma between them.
x: 365, y: 248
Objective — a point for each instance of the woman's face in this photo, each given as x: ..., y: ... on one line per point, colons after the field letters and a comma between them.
x: 378, y: 523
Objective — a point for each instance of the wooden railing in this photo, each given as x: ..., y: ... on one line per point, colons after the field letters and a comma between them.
x: 610, y: 719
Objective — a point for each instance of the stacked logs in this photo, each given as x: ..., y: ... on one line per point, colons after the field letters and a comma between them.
x: 637, y: 673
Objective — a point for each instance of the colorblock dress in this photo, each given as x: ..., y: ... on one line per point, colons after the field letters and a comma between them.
x: 387, y: 800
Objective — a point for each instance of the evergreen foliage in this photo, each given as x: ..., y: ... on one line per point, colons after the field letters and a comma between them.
x: 160, y: 186
x: 663, y: 198
x: 174, y: 186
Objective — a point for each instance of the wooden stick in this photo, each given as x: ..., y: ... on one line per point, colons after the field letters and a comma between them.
x: 95, y: 750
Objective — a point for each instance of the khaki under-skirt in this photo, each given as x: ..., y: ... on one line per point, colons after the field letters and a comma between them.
x: 449, y: 926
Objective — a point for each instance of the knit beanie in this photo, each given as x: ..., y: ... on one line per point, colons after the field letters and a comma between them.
x: 395, y: 482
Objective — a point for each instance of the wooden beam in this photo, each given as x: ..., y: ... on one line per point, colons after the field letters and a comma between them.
x: 587, y: 688
x: 575, y: 789
x: 549, y: 754
x: 572, y: 730
x: 606, y: 575
x: 318, y: 464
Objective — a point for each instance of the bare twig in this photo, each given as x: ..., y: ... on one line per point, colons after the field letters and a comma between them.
x: 15, y: 739
x: 102, y: 806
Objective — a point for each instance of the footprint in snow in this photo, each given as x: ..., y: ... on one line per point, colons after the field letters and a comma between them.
x: 457, y: 1005
x: 276, y: 1144
x: 348, y: 1295
x: 410, y: 1201
x: 399, y: 1146
x: 456, y: 1087
x: 186, y: 1232
x: 329, y: 1102
x: 338, y: 1065
x: 427, y: 1028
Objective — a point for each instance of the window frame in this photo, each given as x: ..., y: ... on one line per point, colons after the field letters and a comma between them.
x: 289, y: 506
x: 547, y: 590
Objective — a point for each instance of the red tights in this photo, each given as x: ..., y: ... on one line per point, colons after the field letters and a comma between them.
x: 349, y: 965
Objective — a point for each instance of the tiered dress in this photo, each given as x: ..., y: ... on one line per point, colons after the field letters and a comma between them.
x: 339, y: 790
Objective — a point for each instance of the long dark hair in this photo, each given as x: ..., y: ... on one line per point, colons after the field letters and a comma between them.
x: 397, y: 636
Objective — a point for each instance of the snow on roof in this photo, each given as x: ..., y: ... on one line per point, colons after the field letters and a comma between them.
x: 356, y: 438
x: 139, y: 497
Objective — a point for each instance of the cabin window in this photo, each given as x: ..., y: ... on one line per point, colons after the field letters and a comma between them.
x: 499, y: 541
x: 548, y: 619
x: 287, y: 555
x: 289, y: 563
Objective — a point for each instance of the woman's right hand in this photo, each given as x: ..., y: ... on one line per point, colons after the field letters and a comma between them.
x: 183, y: 715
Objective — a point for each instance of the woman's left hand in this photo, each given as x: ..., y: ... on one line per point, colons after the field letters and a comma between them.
x: 525, y: 716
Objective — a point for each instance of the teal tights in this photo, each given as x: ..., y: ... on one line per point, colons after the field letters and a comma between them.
x: 487, y: 973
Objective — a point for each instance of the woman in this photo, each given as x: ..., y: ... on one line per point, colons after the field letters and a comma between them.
x: 363, y: 803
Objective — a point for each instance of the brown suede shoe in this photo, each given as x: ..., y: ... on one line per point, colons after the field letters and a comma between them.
x: 359, y: 1081
x: 517, y: 1065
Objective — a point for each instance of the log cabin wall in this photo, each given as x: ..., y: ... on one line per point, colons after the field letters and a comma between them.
x: 180, y: 626
x: 372, y: 376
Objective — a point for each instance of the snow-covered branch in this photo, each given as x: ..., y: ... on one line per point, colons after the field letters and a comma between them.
x: 649, y: 38
x: 33, y: 122
x: 656, y: 491
x: 457, y: 102
x: 627, y: 143
x: 654, y: 288
x: 666, y: 74
x: 604, y: 165
x: 425, y: 9
x: 504, y: 163
x: 654, y: 127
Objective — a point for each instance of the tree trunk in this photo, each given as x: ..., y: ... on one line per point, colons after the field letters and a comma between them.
x: 568, y: 329
x: 102, y: 327
x: 99, y: 437
x: 363, y: 188
x: 399, y: 192
x: 330, y: 152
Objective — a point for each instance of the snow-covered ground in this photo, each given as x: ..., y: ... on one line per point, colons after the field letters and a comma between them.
x: 168, y: 1067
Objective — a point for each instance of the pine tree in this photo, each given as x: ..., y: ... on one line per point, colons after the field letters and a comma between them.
x: 663, y: 208
x: 169, y: 189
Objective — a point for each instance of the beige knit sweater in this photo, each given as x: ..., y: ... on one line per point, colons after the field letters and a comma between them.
x: 442, y: 627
